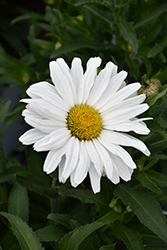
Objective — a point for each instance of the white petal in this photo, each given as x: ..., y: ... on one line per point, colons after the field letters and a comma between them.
x: 124, y: 171
x: 122, y: 95
x: 122, y: 114
x: 67, y: 72
x: 54, y: 140
x: 115, y: 176
x: 94, y: 179
x: 47, y: 92
x: 62, y: 84
x: 101, y: 83
x: 114, y: 85
x: 137, y: 126
x: 94, y: 157
x: 72, y: 155
x: 124, y: 140
x: 45, y: 126
x: 53, y: 159
x: 80, y: 172
x: 77, y: 76
x: 105, y: 158
x: 47, y: 111
x: 119, y: 151
x: 90, y: 75
x: 61, y: 169
x: 31, y: 136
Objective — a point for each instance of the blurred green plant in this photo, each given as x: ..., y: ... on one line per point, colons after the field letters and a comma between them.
x: 42, y: 213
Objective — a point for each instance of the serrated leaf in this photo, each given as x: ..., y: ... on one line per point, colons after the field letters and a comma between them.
x: 50, y: 233
x: 63, y: 219
x: 127, y: 31
x: 25, y: 235
x: 86, y: 196
x: 147, y: 182
x: 18, y: 202
x: 35, y: 185
x: 4, y: 106
x: 145, y: 207
x: 158, y: 178
x: 72, y: 240
x: 131, y: 239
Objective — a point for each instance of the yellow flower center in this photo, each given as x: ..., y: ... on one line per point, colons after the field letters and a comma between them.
x: 84, y: 122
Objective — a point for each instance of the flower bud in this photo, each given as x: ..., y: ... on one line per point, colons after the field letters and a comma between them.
x: 150, y: 87
x: 57, y: 45
x: 117, y: 209
x: 25, y: 78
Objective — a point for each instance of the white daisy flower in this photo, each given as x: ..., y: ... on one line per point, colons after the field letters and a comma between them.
x: 81, y: 121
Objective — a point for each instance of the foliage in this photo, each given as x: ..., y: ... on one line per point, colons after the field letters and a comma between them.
x: 36, y: 211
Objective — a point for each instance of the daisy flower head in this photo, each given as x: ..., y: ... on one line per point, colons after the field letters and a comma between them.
x: 81, y: 120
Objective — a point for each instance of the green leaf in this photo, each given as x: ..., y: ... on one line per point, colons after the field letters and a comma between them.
x: 63, y: 219
x: 150, y: 164
x: 127, y: 31
x: 109, y: 217
x: 158, y: 178
x: 101, y: 15
x: 26, y: 237
x: 44, y: 44
x: 12, y: 117
x: 131, y: 239
x: 9, y: 173
x: 35, y: 163
x: 3, y: 159
x: 162, y: 120
x: 50, y: 233
x: 4, y: 106
x: 79, y: 44
x: 161, y: 247
x: 10, y: 242
x: 57, y: 20
x: 145, y: 207
x: 36, y: 51
x: 151, y: 16
x: 27, y: 16
x: 86, y: 196
x: 151, y: 101
x: 18, y: 202
x: 151, y: 33
x: 147, y: 182
x: 155, y: 50
x: 108, y: 3
x: 36, y: 185
x: 72, y: 240
x: 107, y: 247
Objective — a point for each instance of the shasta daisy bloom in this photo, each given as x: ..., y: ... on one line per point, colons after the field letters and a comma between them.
x: 81, y: 120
